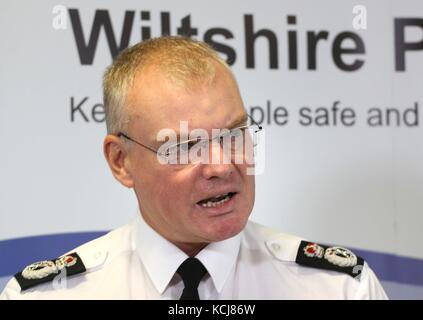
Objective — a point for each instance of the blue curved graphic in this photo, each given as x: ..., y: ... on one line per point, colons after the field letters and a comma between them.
x: 17, y: 253
x: 391, y: 267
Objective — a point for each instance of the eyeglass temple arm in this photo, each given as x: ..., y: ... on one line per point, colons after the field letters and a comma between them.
x: 254, y: 122
x: 121, y: 134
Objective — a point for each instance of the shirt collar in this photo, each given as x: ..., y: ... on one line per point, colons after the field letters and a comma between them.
x: 219, y: 259
x: 162, y: 258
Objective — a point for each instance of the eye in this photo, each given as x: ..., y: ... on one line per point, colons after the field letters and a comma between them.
x: 173, y: 150
x: 184, y: 147
x: 192, y: 143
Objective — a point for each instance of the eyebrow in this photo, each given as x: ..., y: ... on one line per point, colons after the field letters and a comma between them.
x: 238, y: 121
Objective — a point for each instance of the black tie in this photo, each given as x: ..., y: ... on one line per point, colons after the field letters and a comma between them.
x: 191, y: 272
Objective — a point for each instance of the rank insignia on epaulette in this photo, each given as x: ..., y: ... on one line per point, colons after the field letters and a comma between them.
x: 45, y: 271
x: 329, y: 258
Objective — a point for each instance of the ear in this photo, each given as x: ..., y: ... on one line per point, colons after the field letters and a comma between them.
x: 116, y: 155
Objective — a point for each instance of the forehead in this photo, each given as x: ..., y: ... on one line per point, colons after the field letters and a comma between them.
x: 155, y: 103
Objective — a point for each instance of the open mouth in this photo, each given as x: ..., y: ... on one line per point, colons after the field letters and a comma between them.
x: 216, y: 201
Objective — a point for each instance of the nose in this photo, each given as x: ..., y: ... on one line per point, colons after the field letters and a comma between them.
x: 219, y: 165
x: 222, y: 171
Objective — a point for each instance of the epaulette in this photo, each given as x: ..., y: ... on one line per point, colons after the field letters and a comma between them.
x: 334, y: 258
x: 46, y: 271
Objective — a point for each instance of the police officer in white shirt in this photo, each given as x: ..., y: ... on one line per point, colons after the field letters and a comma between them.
x: 178, y: 134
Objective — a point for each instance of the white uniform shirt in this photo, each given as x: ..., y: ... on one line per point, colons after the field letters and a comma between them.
x: 134, y: 262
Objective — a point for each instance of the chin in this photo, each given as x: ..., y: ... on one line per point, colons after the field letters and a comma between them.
x: 227, y: 228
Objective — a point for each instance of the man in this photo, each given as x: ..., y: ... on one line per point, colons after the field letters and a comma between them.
x: 192, y: 238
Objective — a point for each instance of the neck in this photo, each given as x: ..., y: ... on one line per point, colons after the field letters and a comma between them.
x: 191, y: 249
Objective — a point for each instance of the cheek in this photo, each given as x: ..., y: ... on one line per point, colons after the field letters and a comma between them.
x: 173, y: 191
x: 248, y: 181
x: 172, y: 197
x: 248, y: 198
x: 252, y: 186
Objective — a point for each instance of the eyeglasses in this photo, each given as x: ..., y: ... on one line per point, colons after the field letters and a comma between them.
x: 236, y: 141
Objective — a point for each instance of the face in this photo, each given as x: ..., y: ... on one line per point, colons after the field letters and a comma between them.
x: 171, y: 197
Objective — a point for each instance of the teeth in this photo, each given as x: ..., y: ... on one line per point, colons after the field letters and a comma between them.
x: 212, y: 204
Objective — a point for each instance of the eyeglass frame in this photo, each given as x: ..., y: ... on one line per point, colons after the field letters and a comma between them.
x: 124, y: 135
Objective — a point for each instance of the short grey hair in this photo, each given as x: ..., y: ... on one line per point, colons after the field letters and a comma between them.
x: 183, y: 60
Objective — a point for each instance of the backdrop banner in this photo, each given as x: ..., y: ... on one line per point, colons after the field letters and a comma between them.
x: 337, y: 86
